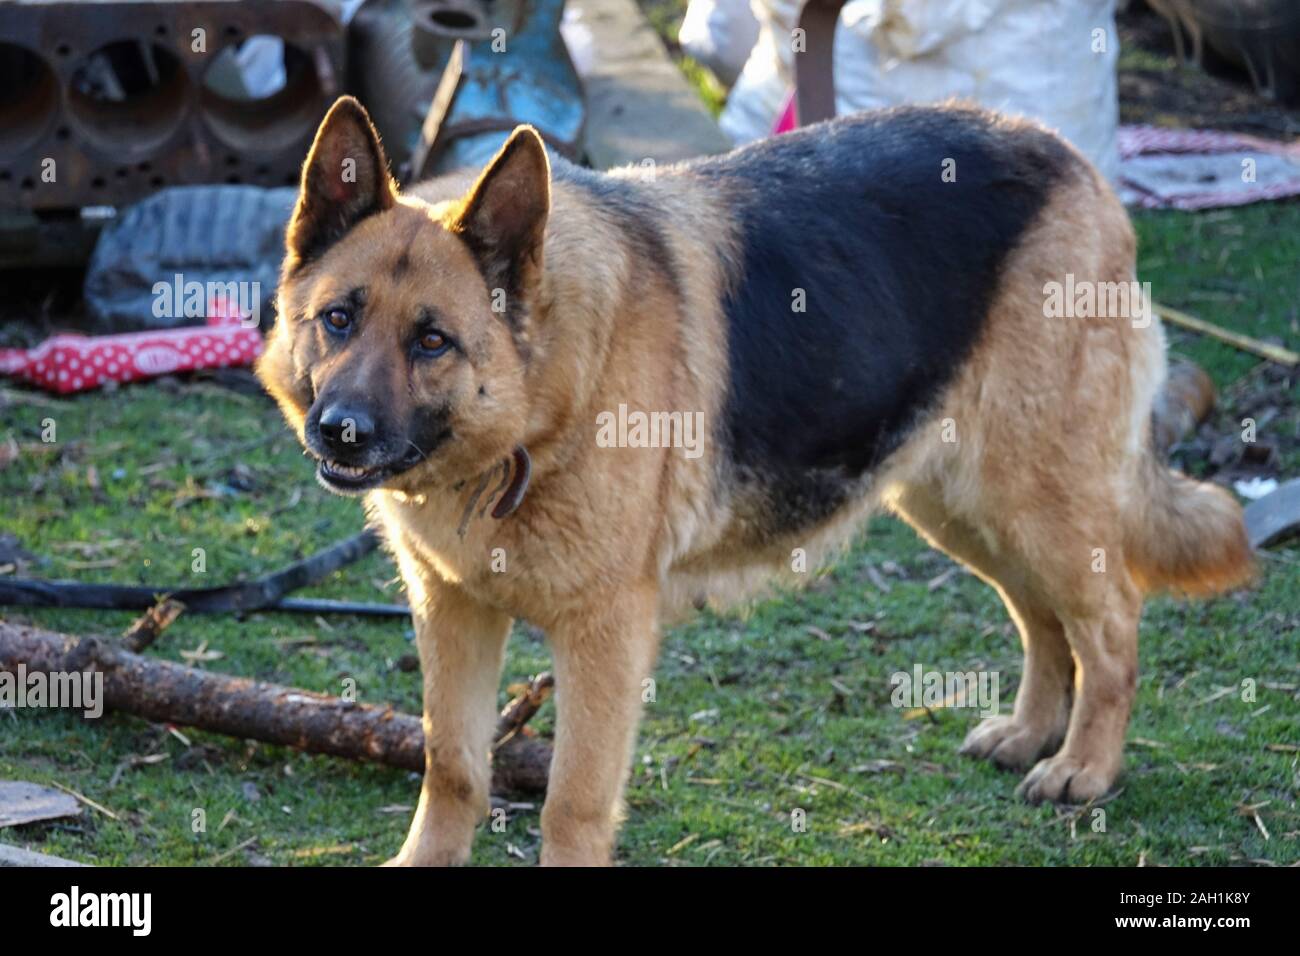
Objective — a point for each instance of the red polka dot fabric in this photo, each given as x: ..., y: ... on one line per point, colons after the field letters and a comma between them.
x: 76, y: 363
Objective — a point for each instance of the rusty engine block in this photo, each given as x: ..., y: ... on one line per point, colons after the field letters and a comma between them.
x: 103, y: 103
x: 142, y: 95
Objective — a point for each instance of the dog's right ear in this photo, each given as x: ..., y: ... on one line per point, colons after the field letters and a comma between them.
x: 344, y: 180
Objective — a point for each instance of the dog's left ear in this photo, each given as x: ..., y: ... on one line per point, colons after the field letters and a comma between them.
x: 344, y: 180
x: 503, y: 216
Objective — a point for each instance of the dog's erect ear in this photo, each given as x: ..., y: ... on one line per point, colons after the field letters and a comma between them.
x: 344, y: 180
x: 503, y: 216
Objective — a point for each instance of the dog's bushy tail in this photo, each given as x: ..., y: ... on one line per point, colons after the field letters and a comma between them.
x: 1185, y: 535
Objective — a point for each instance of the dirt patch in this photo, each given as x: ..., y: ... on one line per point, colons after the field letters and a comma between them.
x: 1260, y: 405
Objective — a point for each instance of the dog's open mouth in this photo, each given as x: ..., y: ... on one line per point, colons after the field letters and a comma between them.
x: 350, y: 479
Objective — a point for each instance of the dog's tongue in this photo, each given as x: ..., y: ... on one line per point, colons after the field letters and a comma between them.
x: 514, y: 493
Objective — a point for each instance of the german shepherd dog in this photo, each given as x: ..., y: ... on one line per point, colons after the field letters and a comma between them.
x: 855, y: 312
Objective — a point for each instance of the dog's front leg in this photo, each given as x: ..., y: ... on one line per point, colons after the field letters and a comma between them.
x: 602, y: 656
x: 461, y: 644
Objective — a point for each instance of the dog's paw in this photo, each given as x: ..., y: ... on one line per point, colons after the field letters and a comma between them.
x: 1064, y: 779
x: 1008, y: 743
x: 404, y: 858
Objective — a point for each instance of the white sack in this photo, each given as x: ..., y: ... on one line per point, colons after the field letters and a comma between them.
x: 720, y: 34
x: 1053, y: 60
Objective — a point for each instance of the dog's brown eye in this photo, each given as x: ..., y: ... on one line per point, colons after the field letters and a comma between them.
x: 338, y: 319
x: 433, y: 342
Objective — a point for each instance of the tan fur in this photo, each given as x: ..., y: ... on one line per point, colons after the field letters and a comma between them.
x: 1051, y: 463
x: 1186, y: 536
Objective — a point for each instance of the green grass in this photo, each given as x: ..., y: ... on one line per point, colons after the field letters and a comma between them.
x: 707, y: 86
x: 1234, y: 267
x: 756, y: 715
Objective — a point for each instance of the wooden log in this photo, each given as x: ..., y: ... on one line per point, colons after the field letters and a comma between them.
x: 165, y: 692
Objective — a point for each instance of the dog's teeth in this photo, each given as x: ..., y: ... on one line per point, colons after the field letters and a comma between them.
x: 348, y: 471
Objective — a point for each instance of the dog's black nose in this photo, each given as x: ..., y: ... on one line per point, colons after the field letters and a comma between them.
x: 345, y: 429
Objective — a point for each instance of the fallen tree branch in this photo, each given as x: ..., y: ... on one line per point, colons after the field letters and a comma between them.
x: 164, y: 692
x: 141, y: 634
x: 1274, y: 353
x: 527, y: 702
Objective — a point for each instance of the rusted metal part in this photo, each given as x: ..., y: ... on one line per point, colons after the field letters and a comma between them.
x: 447, y: 80
x: 437, y: 20
x: 103, y: 103
x: 435, y: 117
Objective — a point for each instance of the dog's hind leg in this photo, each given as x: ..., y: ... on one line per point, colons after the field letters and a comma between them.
x: 1051, y: 416
x: 1038, y: 721
x: 1100, y: 610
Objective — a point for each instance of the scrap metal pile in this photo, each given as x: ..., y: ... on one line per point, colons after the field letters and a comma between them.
x: 105, y: 103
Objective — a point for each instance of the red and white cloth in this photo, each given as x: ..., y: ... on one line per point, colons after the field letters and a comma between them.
x: 74, y: 363
x: 1203, y: 169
